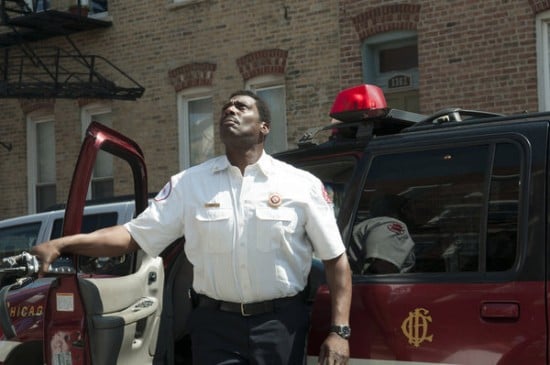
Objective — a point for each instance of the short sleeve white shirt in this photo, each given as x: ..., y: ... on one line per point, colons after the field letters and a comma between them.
x: 385, y: 238
x: 249, y: 238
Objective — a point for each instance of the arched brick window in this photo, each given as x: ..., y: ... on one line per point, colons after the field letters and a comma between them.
x: 539, y: 6
x: 41, y: 157
x: 390, y: 52
x: 29, y: 106
x: 193, y: 86
x: 264, y: 73
x: 192, y: 75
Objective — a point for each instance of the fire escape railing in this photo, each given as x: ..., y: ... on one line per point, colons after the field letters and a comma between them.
x: 54, y: 73
x: 27, y: 71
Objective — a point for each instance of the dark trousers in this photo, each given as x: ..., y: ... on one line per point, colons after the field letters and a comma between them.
x: 223, y: 338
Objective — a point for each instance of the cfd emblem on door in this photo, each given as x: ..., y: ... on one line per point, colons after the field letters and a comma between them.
x: 415, y: 326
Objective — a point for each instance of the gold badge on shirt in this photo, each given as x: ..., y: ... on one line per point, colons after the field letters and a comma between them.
x: 274, y: 200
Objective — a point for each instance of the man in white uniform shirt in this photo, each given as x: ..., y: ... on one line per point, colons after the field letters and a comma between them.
x: 250, y: 223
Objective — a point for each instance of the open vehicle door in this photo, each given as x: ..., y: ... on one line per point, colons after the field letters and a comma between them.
x: 107, y: 311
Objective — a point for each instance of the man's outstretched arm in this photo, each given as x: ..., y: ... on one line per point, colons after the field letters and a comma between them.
x: 105, y: 242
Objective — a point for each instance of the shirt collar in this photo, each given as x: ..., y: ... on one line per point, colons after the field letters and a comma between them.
x: 264, y: 164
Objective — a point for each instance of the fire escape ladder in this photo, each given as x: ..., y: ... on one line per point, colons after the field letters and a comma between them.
x: 17, y: 7
x: 26, y: 49
x: 30, y: 71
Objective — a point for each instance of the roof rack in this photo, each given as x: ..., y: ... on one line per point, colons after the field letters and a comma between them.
x: 361, y: 112
x: 453, y: 115
x: 391, y: 122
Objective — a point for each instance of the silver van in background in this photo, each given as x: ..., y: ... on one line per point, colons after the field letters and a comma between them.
x: 21, y: 233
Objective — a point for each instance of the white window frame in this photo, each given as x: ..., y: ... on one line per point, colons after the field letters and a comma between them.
x: 278, y: 130
x: 370, y: 58
x: 183, y: 99
x: 33, y: 120
x: 86, y: 116
x: 104, y: 15
x: 173, y: 4
x: 543, y: 59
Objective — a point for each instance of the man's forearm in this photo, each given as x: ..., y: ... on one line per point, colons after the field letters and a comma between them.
x: 339, y: 282
x: 106, y: 242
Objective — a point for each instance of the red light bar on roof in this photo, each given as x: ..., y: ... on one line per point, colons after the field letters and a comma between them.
x: 359, y: 103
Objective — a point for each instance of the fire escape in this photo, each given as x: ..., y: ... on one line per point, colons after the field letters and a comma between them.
x: 30, y: 71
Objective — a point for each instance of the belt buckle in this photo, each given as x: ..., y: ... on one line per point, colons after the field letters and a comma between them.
x: 243, y: 313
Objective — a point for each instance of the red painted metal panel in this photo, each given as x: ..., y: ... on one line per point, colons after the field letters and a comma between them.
x: 442, y: 323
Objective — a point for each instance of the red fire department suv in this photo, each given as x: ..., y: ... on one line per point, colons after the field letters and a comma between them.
x: 464, y: 279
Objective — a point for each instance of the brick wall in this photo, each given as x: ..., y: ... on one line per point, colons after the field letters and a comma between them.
x: 474, y: 54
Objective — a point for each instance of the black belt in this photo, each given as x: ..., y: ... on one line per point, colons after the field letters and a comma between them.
x: 246, y: 309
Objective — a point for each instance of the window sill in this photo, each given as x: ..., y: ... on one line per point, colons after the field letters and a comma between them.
x: 101, y: 16
x: 181, y: 3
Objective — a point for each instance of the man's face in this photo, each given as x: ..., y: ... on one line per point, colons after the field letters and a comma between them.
x: 240, y: 121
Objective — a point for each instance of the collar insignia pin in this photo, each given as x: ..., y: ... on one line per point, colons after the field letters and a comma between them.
x: 274, y: 200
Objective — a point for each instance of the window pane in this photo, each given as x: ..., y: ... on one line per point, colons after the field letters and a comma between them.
x: 400, y: 58
x: 502, y: 223
x: 275, y: 98
x: 45, y: 197
x: 103, y: 265
x: 45, y: 152
x: 438, y: 195
x: 201, y: 130
x: 15, y: 239
x: 102, y: 188
x: 98, y: 6
x: 390, y: 61
x: 102, y: 184
x: 547, y: 65
x: 104, y: 163
x: 45, y: 165
x: 407, y: 100
x: 90, y: 223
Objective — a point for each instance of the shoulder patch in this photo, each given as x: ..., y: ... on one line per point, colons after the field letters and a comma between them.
x: 327, y: 194
x: 165, y: 192
x: 396, y: 228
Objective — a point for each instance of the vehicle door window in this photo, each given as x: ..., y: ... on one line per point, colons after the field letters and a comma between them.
x: 101, y: 265
x: 90, y: 223
x: 451, y: 209
x: 18, y: 238
x: 335, y: 174
x: 502, y: 217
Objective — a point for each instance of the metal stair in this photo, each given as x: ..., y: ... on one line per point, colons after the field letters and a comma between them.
x: 14, y: 7
x: 30, y: 71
